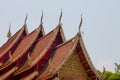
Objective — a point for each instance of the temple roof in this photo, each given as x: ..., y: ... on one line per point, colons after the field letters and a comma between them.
x: 26, y: 43
x: 59, y: 56
x: 40, y: 49
x: 24, y: 46
x: 62, y: 54
x: 36, y: 55
x: 12, y: 41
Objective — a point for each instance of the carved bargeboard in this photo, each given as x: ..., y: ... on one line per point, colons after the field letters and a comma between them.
x: 73, y: 69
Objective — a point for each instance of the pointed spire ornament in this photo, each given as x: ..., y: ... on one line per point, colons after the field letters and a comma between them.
x: 60, y: 17
x: 80, y: 24
x: 25, y: 19
x: 9, y: 31
x: 41, y: 20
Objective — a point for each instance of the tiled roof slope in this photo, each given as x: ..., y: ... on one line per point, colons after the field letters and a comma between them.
x: 12, y: 42
x: 41, y: 48
x: 60, y: 54
x: 24, y: 46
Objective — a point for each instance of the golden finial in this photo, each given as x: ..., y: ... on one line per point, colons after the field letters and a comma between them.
x: 60, y: 17
x: 80, y: 24
x: 25, y: 19
x: 41, y: 21
x: 9, y: 32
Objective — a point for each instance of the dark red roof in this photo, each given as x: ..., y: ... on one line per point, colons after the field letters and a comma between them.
x: 60, y: 54
x: 11, y: 42
x: 40, y: 49
x: 23, y: 46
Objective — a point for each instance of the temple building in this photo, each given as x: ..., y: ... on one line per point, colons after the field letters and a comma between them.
x: 40, y: 56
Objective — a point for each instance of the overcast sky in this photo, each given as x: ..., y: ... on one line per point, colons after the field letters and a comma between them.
x: 101, y: 23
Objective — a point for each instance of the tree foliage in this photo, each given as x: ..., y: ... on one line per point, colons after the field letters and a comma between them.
x: 117, y: 68
x: 108, y: 75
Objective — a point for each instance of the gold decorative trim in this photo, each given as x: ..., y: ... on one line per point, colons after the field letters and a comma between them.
x: 1, y: 64
x: 4, y: 76
x: 87, y: 57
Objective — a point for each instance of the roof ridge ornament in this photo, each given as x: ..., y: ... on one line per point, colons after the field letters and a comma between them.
x: 9, y: 31
x: 41, y: 20
x: 80, y: 23
x: 25, y: 19
x: 60, y: 16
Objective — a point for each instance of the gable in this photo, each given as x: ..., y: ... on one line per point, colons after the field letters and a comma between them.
x: 73, y: 69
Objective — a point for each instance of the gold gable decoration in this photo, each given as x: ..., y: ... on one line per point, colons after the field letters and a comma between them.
x: 73, y: 69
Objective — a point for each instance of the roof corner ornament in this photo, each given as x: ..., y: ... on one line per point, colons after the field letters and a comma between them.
x: 10, y: 55
x: 80, y: 24
x: 60, y: 17
x: 9, y: 31
x: 25, y: 19
x: 29, y: 58
x: 41, y: 20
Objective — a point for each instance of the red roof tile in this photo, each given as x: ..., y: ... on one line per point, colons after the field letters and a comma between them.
x: 11, y: 42
x: 60, y: 55
x: 24, y: 45
x: 40, y: 49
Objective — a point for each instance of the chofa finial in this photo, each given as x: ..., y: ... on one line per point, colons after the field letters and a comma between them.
x: 9, y: 31
x: 41, y: 20
x: 25, y: 18
x: 80, y: 24
x: 60, y: 17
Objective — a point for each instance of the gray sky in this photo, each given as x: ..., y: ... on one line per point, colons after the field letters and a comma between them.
x: 101, y: 23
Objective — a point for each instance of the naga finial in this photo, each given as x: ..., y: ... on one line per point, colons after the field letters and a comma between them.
x: 41, y: 20
x: 60, y: 17
x: 25, y: 18
x: 80, y: 24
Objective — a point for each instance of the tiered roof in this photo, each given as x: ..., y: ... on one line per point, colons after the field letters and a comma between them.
x: 23, y: 49
x: 41, y: 57
x: 41, y: 48
x: 11, y: 44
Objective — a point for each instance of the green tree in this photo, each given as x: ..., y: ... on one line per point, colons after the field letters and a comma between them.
x: 107, y: 74
x: 114, y: 76
x: 117, y: 68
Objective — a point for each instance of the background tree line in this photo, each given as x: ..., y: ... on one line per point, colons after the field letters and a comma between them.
x: 108, y: 75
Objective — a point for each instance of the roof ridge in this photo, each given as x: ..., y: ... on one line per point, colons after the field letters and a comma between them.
x: 62, y: 44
